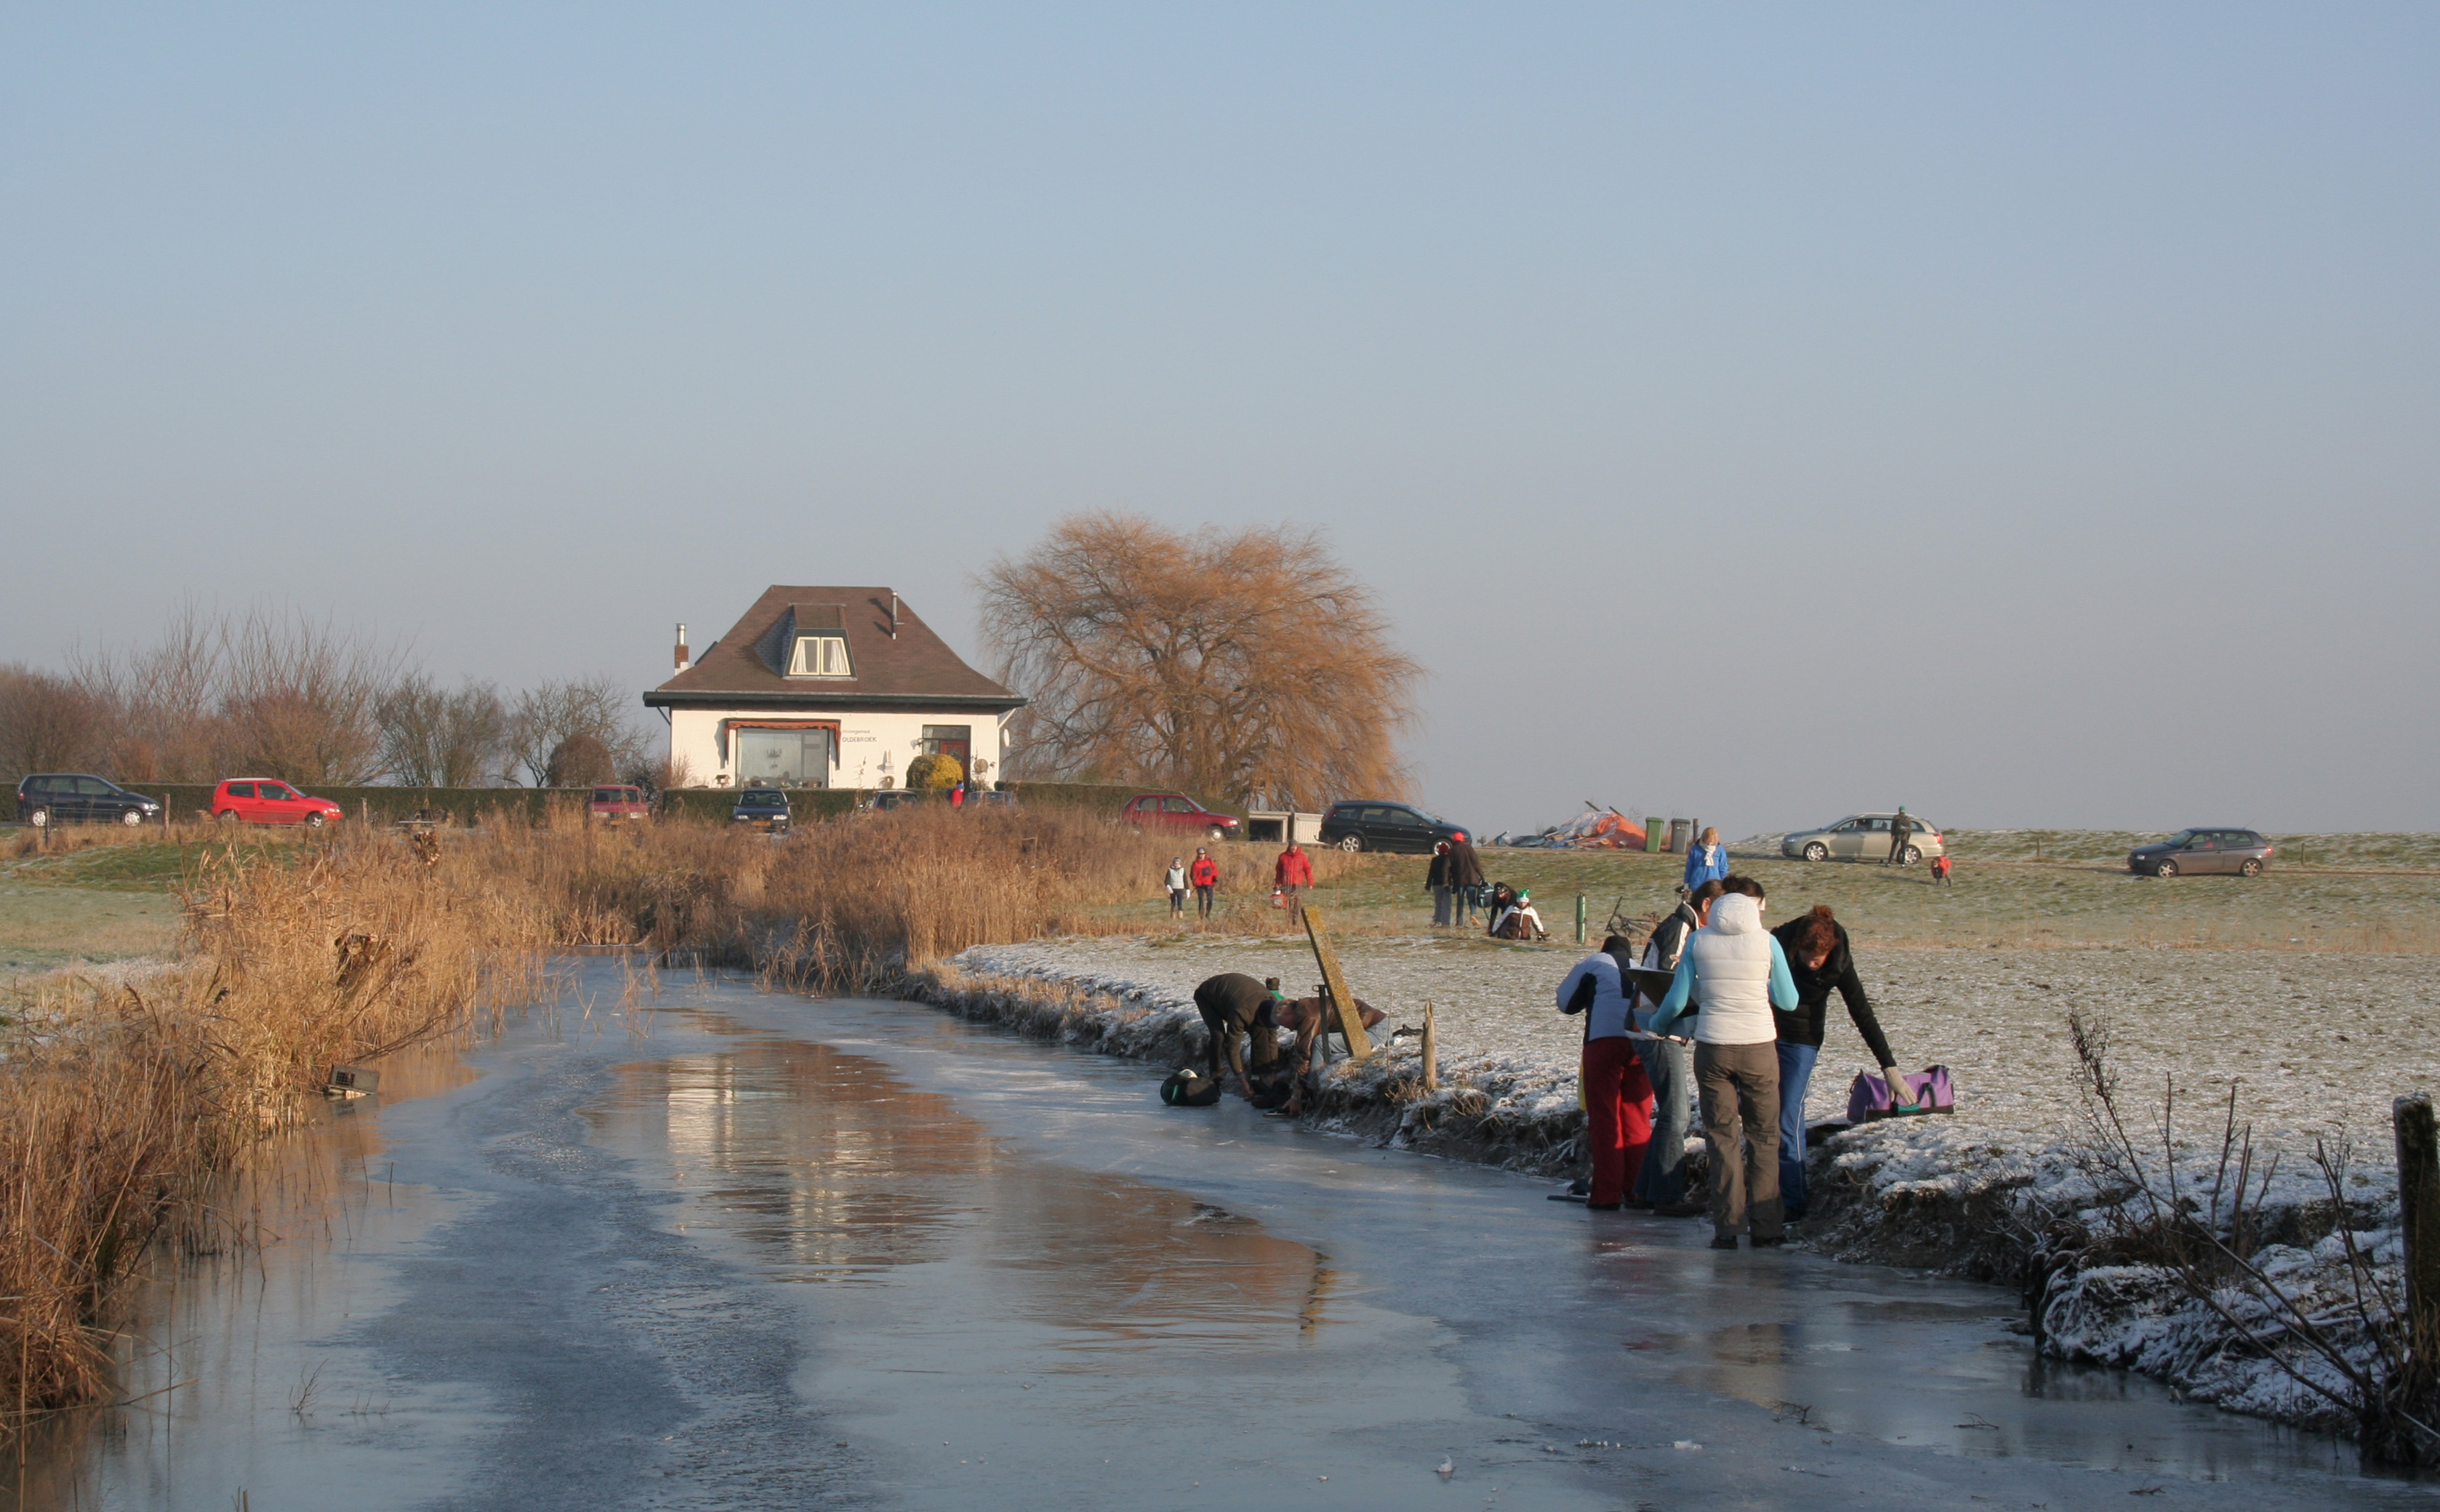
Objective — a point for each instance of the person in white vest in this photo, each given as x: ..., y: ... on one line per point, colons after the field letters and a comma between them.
x: 1735, y: 972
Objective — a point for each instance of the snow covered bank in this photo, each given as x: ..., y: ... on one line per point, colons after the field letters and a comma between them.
x: 2318, y: 1046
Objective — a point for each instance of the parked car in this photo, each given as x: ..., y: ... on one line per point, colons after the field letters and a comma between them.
x: 996, y: 799
x: 1370, y: 824
x: 270, y: 801
x: 1863, y: 837
x: 612, y: 802
x: 1176, y: 810
x: 888, y: 800
x: 80, y: 798
x: 767, y: 807
x: 2201, y: 852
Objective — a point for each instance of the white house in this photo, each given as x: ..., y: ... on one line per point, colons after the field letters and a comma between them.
x: 828, y: 687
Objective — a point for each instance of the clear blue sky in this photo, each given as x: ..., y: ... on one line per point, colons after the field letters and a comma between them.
x: 2029, y: 415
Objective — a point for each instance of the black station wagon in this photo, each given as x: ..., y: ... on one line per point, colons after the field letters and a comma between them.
x: 1376, y: 824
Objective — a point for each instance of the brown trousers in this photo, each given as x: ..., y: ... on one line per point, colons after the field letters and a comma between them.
x: 1739, y: 1085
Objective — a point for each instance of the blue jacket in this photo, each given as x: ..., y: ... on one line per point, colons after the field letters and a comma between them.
x: 1703, y: 863
x: 1673, y: 1007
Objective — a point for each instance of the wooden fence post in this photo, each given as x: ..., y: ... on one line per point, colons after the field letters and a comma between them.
x: 1431, y: 1052
x: 2418, y: 1209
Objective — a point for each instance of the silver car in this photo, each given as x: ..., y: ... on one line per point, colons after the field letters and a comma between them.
x: 1862, y: 837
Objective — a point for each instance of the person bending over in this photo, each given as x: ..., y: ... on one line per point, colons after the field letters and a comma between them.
x: 1233, y: 1006
x: 1310, y: 1019
x: 1618, y: 1097
x: 1821, y: 962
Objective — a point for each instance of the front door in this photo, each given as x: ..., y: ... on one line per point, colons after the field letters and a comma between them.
x: 2204, y: 855
x: 87, y: 799
x: 278, y: 804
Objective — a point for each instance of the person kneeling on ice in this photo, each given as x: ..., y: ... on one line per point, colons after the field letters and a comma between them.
x: 1310, y: 1019
x: 1519, y: 920
x: 1736, y: 973
x: 1617, y: 1098
x: 1234, y: 1005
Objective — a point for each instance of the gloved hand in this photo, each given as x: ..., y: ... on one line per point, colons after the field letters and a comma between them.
x: 1901, y: 1095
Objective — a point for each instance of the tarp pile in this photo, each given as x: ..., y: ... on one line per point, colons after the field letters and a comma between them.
x: 1596, y: 829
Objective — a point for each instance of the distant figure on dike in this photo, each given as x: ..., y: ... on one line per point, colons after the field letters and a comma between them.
x: 1436, y: 882
x: 1174, y: 881
x: 1706, y: 859
x: 1464, y: 881
x: 1205, y: 874
x: 1291, y: 875
x: 1901, y: 827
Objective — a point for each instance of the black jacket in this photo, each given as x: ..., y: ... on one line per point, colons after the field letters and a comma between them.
x: 1464, y: 866
x: 1437, y: 875
x: 1814, y: 986
x: 1900, y: 828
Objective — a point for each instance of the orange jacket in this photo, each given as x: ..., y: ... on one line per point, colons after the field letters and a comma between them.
x: 1295, y: 869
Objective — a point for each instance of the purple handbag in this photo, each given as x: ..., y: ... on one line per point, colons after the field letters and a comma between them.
x: 1869, y: 1100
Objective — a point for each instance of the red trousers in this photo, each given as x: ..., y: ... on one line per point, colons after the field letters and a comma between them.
x: 1618, y: 1117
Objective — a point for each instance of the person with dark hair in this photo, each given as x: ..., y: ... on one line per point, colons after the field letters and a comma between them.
x: 1735, y: 973
x: 1292, y: 877
x: 1464, y: 881
x: 1819, y: 962
x: 1234, y: 1006
x: 1901, y: 829
x: 1436, y: 882
x: 1205, y: 874
x: 1617, y: 1098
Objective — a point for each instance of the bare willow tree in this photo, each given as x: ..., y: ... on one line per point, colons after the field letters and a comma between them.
x: 1248, y: 664
x: 47, y: 722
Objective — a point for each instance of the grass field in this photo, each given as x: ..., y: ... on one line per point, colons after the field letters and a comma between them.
x: 2357, y: 893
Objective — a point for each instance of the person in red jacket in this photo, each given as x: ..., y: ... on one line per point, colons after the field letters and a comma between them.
x: 1205, y: 875
x: 1292, y: 874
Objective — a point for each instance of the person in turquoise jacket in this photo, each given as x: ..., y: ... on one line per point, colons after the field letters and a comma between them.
x: 1705, y: 860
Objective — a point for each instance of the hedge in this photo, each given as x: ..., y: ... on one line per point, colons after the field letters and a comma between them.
x: 386, y: 805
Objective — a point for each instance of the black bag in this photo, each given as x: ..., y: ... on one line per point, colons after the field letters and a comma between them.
x: 1186, y: 1089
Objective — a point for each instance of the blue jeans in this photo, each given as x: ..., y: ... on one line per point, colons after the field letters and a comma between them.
x: 1670, y: 1068
x: 1795, y: 1071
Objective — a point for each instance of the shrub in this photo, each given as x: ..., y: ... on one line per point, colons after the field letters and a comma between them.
x: 934, y: 772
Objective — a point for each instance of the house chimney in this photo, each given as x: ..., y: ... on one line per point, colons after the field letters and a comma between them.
x: 893, y: 616
x: 682, y: 661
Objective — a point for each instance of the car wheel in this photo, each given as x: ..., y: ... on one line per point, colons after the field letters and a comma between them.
x: 1352, y: 843
x: 2166, y: 868
x: 1215, y: 834
x: 2252, y: 868
x: 39, y: 819
x: 132, y: 818
x: 227, y: 816
x: 1912, y: 855
x: 314, y: 821
x: 1817, y: 852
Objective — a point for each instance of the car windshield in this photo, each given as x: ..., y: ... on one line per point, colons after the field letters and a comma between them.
x: 2181, y: 838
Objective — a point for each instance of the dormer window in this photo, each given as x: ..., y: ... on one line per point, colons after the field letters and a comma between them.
x: 819, y: 656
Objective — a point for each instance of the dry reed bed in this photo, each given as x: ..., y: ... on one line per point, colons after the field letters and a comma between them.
x: 115, y: 1126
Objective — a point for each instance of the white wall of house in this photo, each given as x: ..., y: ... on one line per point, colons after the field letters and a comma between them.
x: 872, y: 745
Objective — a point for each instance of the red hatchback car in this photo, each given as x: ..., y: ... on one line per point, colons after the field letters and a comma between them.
x: 1175, y: 811
x: 269, y: 801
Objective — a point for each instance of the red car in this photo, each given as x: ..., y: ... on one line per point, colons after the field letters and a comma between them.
x: 269, y: 801
x: 616, y: 801
x: 1175, y: 811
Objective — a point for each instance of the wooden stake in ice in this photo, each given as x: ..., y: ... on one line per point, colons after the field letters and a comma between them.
x: 2418, y: 1209
x: 1360, y: 1045
x: 1431, y: 1053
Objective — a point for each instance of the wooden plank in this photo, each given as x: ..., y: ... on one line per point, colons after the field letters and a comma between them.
x: 1359, y: 1044
x: 2418, y: 1204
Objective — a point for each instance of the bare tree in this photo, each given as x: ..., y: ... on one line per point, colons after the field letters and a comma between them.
x: 549, y: 716
x: 431, y: 738
x: 1248, y: 663
x: 161, y: 704
x: 47, y: 722
x: 301, y: 698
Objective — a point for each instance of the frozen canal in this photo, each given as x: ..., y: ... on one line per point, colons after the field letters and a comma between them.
x: 759, y: 1252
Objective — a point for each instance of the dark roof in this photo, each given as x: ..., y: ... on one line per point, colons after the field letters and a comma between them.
x: 748, y: 665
